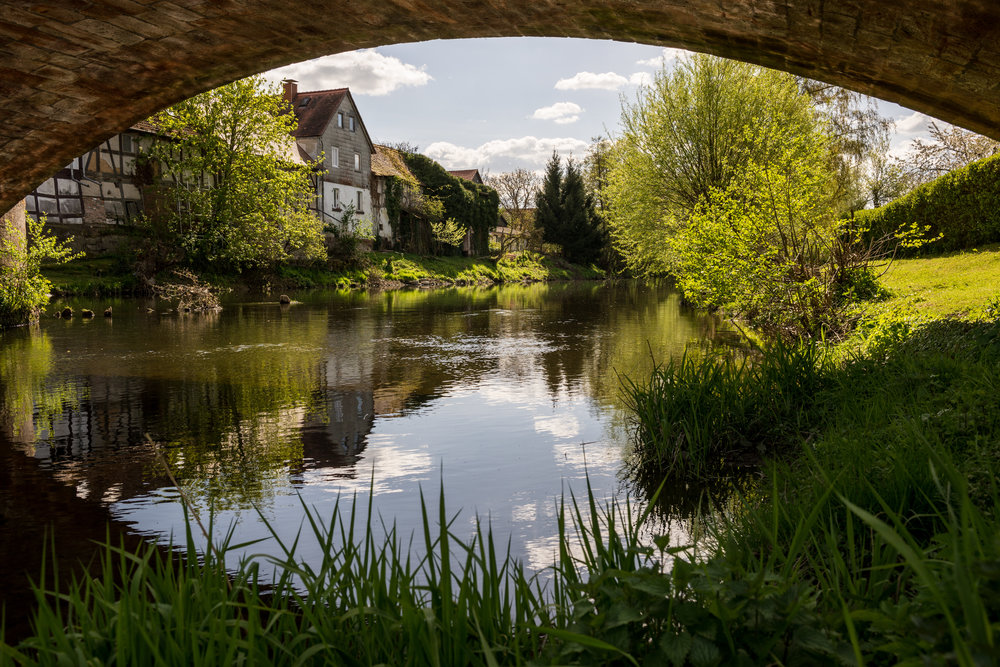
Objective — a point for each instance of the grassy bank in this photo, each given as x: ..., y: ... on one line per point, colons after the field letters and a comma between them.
x: 393, y: 269
x: 111, y: 276
x: 859, y: 477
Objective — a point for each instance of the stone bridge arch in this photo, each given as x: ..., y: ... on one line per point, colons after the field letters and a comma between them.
x: 73, y: 72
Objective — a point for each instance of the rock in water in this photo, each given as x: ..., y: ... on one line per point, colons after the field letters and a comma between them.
x: 86, y: 313
x: 284, y: 299
x: 107, y: 312
x: 67, y: 312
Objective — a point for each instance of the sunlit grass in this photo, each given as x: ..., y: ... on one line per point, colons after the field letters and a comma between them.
x: 957, y: 284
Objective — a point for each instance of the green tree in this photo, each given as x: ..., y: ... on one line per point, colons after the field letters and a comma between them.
x: 565, y: 213
x: 548, y: 200
x: 761, y: 247
x: 232, y: 195
x: 687, y: 135
x: 24, y: 291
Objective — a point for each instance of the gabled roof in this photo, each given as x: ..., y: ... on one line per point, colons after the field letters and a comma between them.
x: 316, y: 109
x: 467, y: 174
x: 145, y: 126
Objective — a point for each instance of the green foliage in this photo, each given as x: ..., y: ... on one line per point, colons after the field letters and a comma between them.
x: 760, y: 247
x: 230, y: 195
x: 447, y: 232
x: 566, y: 215
x: 471, y: 205
x: 688, y: 135
x: 24, y: 291
x: 962, y: 206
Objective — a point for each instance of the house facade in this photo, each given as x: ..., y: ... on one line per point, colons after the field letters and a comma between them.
x: 331, y: 131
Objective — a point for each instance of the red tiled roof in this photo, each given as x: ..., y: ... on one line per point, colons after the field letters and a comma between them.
x: 467, y: 174
x: 315, y: 109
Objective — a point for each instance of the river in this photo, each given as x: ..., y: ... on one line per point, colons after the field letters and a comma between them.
x: 508, y: 396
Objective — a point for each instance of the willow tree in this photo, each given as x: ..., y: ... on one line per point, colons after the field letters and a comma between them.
x: 689, y: 134
x: 723, y: 178
x: 234, y: 196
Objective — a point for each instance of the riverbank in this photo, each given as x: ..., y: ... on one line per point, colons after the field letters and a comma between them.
x: 855, y: 482
x: 108, y: 276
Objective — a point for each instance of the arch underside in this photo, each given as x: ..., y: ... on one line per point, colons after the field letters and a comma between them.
x: 72, y: 74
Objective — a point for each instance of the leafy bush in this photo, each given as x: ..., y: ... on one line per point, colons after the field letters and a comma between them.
x: 963, y: 206
x: 23, y: 288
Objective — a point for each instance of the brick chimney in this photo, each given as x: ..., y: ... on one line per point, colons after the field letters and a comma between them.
x: 291, y: 89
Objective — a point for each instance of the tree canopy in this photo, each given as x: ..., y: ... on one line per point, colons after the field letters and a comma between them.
x: 688, y: 134
x: 724, y: 179
x: 232, y: 194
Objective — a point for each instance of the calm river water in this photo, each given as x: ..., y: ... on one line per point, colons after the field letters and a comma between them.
x: 505, y: 395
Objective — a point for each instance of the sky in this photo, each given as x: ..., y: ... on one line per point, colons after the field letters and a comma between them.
x: 503, y: 103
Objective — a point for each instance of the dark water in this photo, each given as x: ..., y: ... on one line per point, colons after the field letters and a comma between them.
x: 506, y: 395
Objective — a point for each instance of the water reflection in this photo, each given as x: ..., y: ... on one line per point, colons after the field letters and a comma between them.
x: 505, y: 394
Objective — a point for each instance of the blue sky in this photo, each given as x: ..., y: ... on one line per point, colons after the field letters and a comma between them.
x: 499, y: 104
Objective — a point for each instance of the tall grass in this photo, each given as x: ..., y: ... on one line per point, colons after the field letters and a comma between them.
x: 847, y: 585
x: 711, y: 414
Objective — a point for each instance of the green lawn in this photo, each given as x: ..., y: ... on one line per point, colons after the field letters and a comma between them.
x: 958, y: 284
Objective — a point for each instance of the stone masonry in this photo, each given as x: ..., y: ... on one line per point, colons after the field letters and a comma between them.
x: 73, y: 73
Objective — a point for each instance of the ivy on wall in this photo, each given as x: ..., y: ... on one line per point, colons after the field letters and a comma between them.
x: 472, y: 206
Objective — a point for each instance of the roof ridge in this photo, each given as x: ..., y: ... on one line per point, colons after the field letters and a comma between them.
x: 317, y: 92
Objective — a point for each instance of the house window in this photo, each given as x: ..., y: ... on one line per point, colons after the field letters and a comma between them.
x: 357, y: 162
x: 351, y: 123
x: 336, y: 198
x: 126, y: 143
x: 335, y: 158
x: 340, y: 120
x: 359, y: 201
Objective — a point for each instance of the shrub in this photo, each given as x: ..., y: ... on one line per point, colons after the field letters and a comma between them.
x: 963, y: 206
x: 23, y: 289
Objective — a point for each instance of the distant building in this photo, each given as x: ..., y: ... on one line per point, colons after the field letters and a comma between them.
x: 468, y: 175
x: 330, y: 126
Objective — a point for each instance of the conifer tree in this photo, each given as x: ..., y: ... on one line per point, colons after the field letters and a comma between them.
x: 565, y: 212
x: 580, y: 231
x: 548, y: 201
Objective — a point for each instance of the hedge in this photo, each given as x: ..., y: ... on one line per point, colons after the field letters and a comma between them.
x: 963, y: 206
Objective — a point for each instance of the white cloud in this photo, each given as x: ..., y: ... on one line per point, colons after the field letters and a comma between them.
x: 592, y: 81
x: 915, y: 123
x: 605, y: 81
x: 666, y: 56
x: 525, y: 150
x: 560, y: 426
x: 641, y: 79
x: 365, y: 72
x: 560, y: 112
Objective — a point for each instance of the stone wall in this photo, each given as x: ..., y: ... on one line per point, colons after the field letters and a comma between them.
x: 74, y: 74
x: 15, y: 217
x: 95, y: 241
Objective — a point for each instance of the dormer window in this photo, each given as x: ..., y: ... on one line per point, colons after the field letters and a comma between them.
x: 340, y: 120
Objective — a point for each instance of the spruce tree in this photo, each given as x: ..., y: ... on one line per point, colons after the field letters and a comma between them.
x: 548, y: 201
x: 579, y: 230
